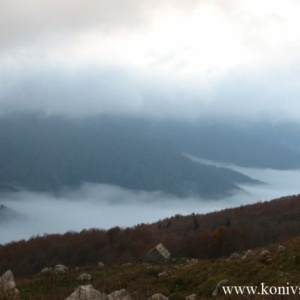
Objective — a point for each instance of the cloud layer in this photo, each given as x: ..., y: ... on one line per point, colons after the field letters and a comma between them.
x: 169, y: 59
x: 105, y: 206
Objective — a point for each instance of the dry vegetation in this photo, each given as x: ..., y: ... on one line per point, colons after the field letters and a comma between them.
x: 183, y: 278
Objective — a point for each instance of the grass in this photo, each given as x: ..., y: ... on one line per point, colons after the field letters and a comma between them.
x: 184, y: 277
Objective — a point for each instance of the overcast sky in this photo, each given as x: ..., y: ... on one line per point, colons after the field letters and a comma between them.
x: 163, y: 59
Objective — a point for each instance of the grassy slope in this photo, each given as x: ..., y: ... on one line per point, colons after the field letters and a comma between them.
x: 185, y: 276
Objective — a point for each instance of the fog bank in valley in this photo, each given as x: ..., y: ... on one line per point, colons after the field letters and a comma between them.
x: 104, y: 206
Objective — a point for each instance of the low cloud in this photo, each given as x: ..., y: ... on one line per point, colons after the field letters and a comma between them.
x: 253, y: 96
x: 105, y: 206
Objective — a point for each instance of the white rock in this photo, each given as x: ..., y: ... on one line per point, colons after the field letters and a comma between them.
x: 158, y: 297
x: 119, y: 295
x: 84, y: 276
x: 87, y: 292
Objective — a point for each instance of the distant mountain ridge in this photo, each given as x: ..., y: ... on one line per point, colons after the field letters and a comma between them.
x: 49, y: 153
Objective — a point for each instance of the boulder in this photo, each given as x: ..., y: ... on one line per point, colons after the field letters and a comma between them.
x: 84, y: 277
x: 233, y: 256
x: 220, y: 283
x: 163, y: 274
x: 191, y: 297
x: 87, y: 292
x: 60, y: 269
x: 247, y: 254
x: 158, y: 297
x: 46, y: 271
x: 8, y: 286
x: 265, y: 253
x: 119, y: 295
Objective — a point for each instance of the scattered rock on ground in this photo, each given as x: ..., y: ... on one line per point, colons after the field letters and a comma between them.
x: 281, y: 249
x: 101, y: 264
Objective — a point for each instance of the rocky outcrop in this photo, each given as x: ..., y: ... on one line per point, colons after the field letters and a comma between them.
x: 8, y: 288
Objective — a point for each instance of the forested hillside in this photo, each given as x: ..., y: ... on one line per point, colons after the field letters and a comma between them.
x: 212, y: 235
x: 49, y: 153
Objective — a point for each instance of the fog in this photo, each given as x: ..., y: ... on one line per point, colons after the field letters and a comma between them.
x: 104, y: 206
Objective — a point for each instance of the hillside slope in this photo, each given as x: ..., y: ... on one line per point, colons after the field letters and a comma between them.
x: 50, y: 153
x: 270, y: 271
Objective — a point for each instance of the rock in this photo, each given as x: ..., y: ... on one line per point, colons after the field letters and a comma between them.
x: 233, y: 256
x: 119, y: 295
x: 281, y: 249
x: 101, y: 264
x: 265, y: 257
x: 220, y: 283
x: 84, y: 277
x: 191, y: 297
x: 158, y: 297
x: 265, y: 253
x: 46, y: 271
x: 163, y: 274
x: 87, y: 292
x: 60, y: 269
x: 247, y: 254
x: 8, y: 288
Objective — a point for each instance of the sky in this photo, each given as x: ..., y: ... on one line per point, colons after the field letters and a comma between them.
x: 160, y: 59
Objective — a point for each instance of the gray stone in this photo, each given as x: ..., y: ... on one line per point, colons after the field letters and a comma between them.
x: 87, y: 292
x: 8, y: 286
x: 158, y: 297
x: 281, y: 249
x: 46, y: 271
x: 60, y: 269
x: 265, y: 253
x: 220, y: 283
x: 119, y: 295
x: 84, y: 277
x: 247, y: 254
x: 191, y: 297
x: 163, y: 274
x: 234, y: 256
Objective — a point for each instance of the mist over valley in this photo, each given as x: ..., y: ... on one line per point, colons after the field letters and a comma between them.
x: 59, y: 175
